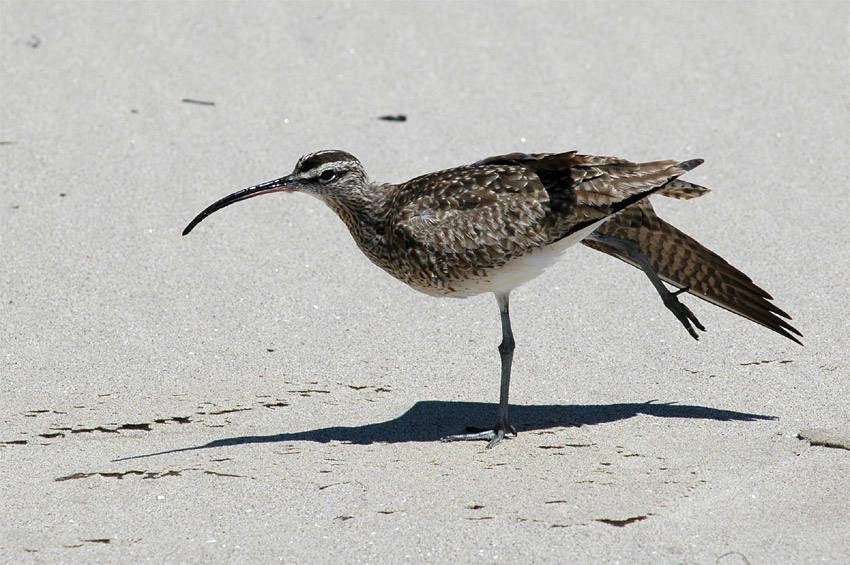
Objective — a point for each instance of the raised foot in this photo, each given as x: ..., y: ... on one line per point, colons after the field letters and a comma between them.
x: 682, y: 312
x: 493, y: 436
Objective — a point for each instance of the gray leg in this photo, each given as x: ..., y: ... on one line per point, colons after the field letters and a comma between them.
x: 670, y: 299
x: 506, y: 352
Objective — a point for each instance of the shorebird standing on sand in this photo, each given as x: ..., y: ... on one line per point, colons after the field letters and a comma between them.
x: 497, y: 223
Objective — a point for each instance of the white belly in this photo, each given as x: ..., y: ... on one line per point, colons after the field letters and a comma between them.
x: 515, y: 273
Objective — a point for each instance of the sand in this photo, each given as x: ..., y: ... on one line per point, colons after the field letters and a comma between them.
x: 259, y: 392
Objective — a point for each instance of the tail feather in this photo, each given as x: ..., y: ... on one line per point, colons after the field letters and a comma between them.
x: 683, y: 190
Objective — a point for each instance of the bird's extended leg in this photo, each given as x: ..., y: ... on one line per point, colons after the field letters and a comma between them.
x: 506, y: 352
x: 670, y: 298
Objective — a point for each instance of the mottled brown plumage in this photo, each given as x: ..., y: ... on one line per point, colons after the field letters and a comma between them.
x: 497, y: 223
x: 682, y: 261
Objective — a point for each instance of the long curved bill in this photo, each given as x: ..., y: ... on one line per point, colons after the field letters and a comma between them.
x: 284, y: 184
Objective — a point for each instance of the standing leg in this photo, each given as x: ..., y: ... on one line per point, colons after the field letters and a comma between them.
x: 506, y: 352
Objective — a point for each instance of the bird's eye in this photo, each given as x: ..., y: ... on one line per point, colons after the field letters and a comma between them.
x: 327, y: 175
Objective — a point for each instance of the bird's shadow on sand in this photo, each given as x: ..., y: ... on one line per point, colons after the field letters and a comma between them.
x: 431, y: 420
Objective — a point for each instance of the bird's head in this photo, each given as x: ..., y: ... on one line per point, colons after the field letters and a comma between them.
x: 332, y: 176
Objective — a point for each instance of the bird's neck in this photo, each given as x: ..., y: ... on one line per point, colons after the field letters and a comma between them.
x: 366, y: 213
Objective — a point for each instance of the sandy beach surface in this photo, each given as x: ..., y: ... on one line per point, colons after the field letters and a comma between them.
x: 260, y: 392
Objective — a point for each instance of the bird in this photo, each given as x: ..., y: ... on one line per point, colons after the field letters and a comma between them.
x: 492, y: 225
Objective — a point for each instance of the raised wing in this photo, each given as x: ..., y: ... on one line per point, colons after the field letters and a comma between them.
x: 680, y: 260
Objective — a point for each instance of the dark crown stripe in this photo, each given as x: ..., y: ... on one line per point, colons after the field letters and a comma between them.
x: 316, y: 160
